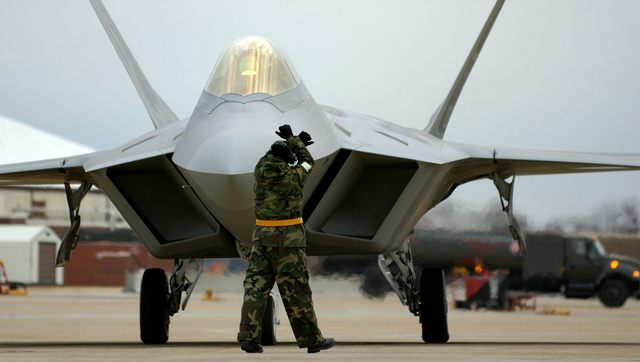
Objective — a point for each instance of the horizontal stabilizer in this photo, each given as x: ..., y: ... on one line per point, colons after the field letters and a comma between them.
x: 438, y: 123
x: 160, y: 113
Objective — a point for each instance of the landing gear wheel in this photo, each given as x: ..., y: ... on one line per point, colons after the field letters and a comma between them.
x: 433, y: 306
x: 269, y: 323
x: 613, y: 293
x: 154, y: 317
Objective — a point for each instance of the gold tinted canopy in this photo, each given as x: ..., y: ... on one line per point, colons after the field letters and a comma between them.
x: 249, y: 65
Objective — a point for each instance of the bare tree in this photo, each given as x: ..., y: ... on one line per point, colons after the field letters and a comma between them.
x: 611, y: 217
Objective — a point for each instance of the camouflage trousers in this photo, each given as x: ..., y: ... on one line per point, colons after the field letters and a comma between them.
x: 288, y: 268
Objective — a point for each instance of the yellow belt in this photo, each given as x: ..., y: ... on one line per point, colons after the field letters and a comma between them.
x: 287, y: 222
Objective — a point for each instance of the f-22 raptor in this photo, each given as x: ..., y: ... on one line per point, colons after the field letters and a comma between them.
x: 186, y: 188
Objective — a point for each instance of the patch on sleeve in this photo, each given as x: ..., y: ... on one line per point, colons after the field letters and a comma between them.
x: 306, y: 166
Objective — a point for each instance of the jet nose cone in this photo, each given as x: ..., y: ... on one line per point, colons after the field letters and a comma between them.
x: 232, y: 151
x: 230, y: 140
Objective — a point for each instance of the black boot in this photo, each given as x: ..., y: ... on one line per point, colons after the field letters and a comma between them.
x: 325, y: 344
x: 251, y: 347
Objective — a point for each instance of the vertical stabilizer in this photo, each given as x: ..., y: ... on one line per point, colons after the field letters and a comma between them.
x: 160, y: 113
x: 438, y: 123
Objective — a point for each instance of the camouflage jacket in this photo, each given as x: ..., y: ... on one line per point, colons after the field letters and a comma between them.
x: 278, y: 196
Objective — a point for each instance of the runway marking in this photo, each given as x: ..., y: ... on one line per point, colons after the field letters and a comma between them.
x: 364, y: 313
x: 222, y: 350
x: 226, y: 350
x: 185, y: 315
x: 47, y: 316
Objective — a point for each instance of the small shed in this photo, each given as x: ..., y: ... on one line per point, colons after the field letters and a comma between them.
x: 29, y: 254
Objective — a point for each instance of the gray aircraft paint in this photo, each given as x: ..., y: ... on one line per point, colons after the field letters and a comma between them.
x: 185, y: 187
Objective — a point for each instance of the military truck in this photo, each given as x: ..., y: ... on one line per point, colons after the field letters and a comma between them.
x: 574, y: 265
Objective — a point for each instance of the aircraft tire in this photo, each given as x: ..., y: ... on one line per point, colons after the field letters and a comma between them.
x: 269, y: 323
x: 154, y: 317
x: 613, y: 292
x: 433, y: 306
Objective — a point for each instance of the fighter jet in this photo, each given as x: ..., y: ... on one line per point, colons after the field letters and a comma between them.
x: 186, y: 188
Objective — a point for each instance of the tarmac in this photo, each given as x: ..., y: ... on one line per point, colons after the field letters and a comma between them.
x: 101, y: 324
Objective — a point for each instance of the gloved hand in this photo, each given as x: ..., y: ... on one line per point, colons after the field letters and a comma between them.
x: 284, y: 131
x: 305, y: 138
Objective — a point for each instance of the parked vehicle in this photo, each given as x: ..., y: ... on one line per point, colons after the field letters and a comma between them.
x: 577, y: 266
x: 574, y: 265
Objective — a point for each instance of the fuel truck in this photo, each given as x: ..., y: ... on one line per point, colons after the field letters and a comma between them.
x: 576, y: 266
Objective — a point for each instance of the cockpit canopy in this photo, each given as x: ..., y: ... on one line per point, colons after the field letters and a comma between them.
x: 252, y: 64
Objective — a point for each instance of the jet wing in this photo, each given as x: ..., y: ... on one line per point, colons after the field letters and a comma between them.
x: 534, y: 162
x: 379, y: 137
x: 511, y: 162
x: 52, y: 171
x: 466, y: 163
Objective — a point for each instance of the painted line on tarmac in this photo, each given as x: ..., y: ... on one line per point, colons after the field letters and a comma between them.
x: 224, y: 350
x: 365, y: 313
x: 53, y: 316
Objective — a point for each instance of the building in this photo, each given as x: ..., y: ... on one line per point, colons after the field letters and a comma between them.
x: 109, y: 264
x: 33, y: 219
x: 29, y: 254
x: 47, y: 204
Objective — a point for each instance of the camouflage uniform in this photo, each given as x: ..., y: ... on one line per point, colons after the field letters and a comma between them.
x: 278, y: 253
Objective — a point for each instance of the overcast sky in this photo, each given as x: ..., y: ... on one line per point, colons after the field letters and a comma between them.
x: 554, y: 74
